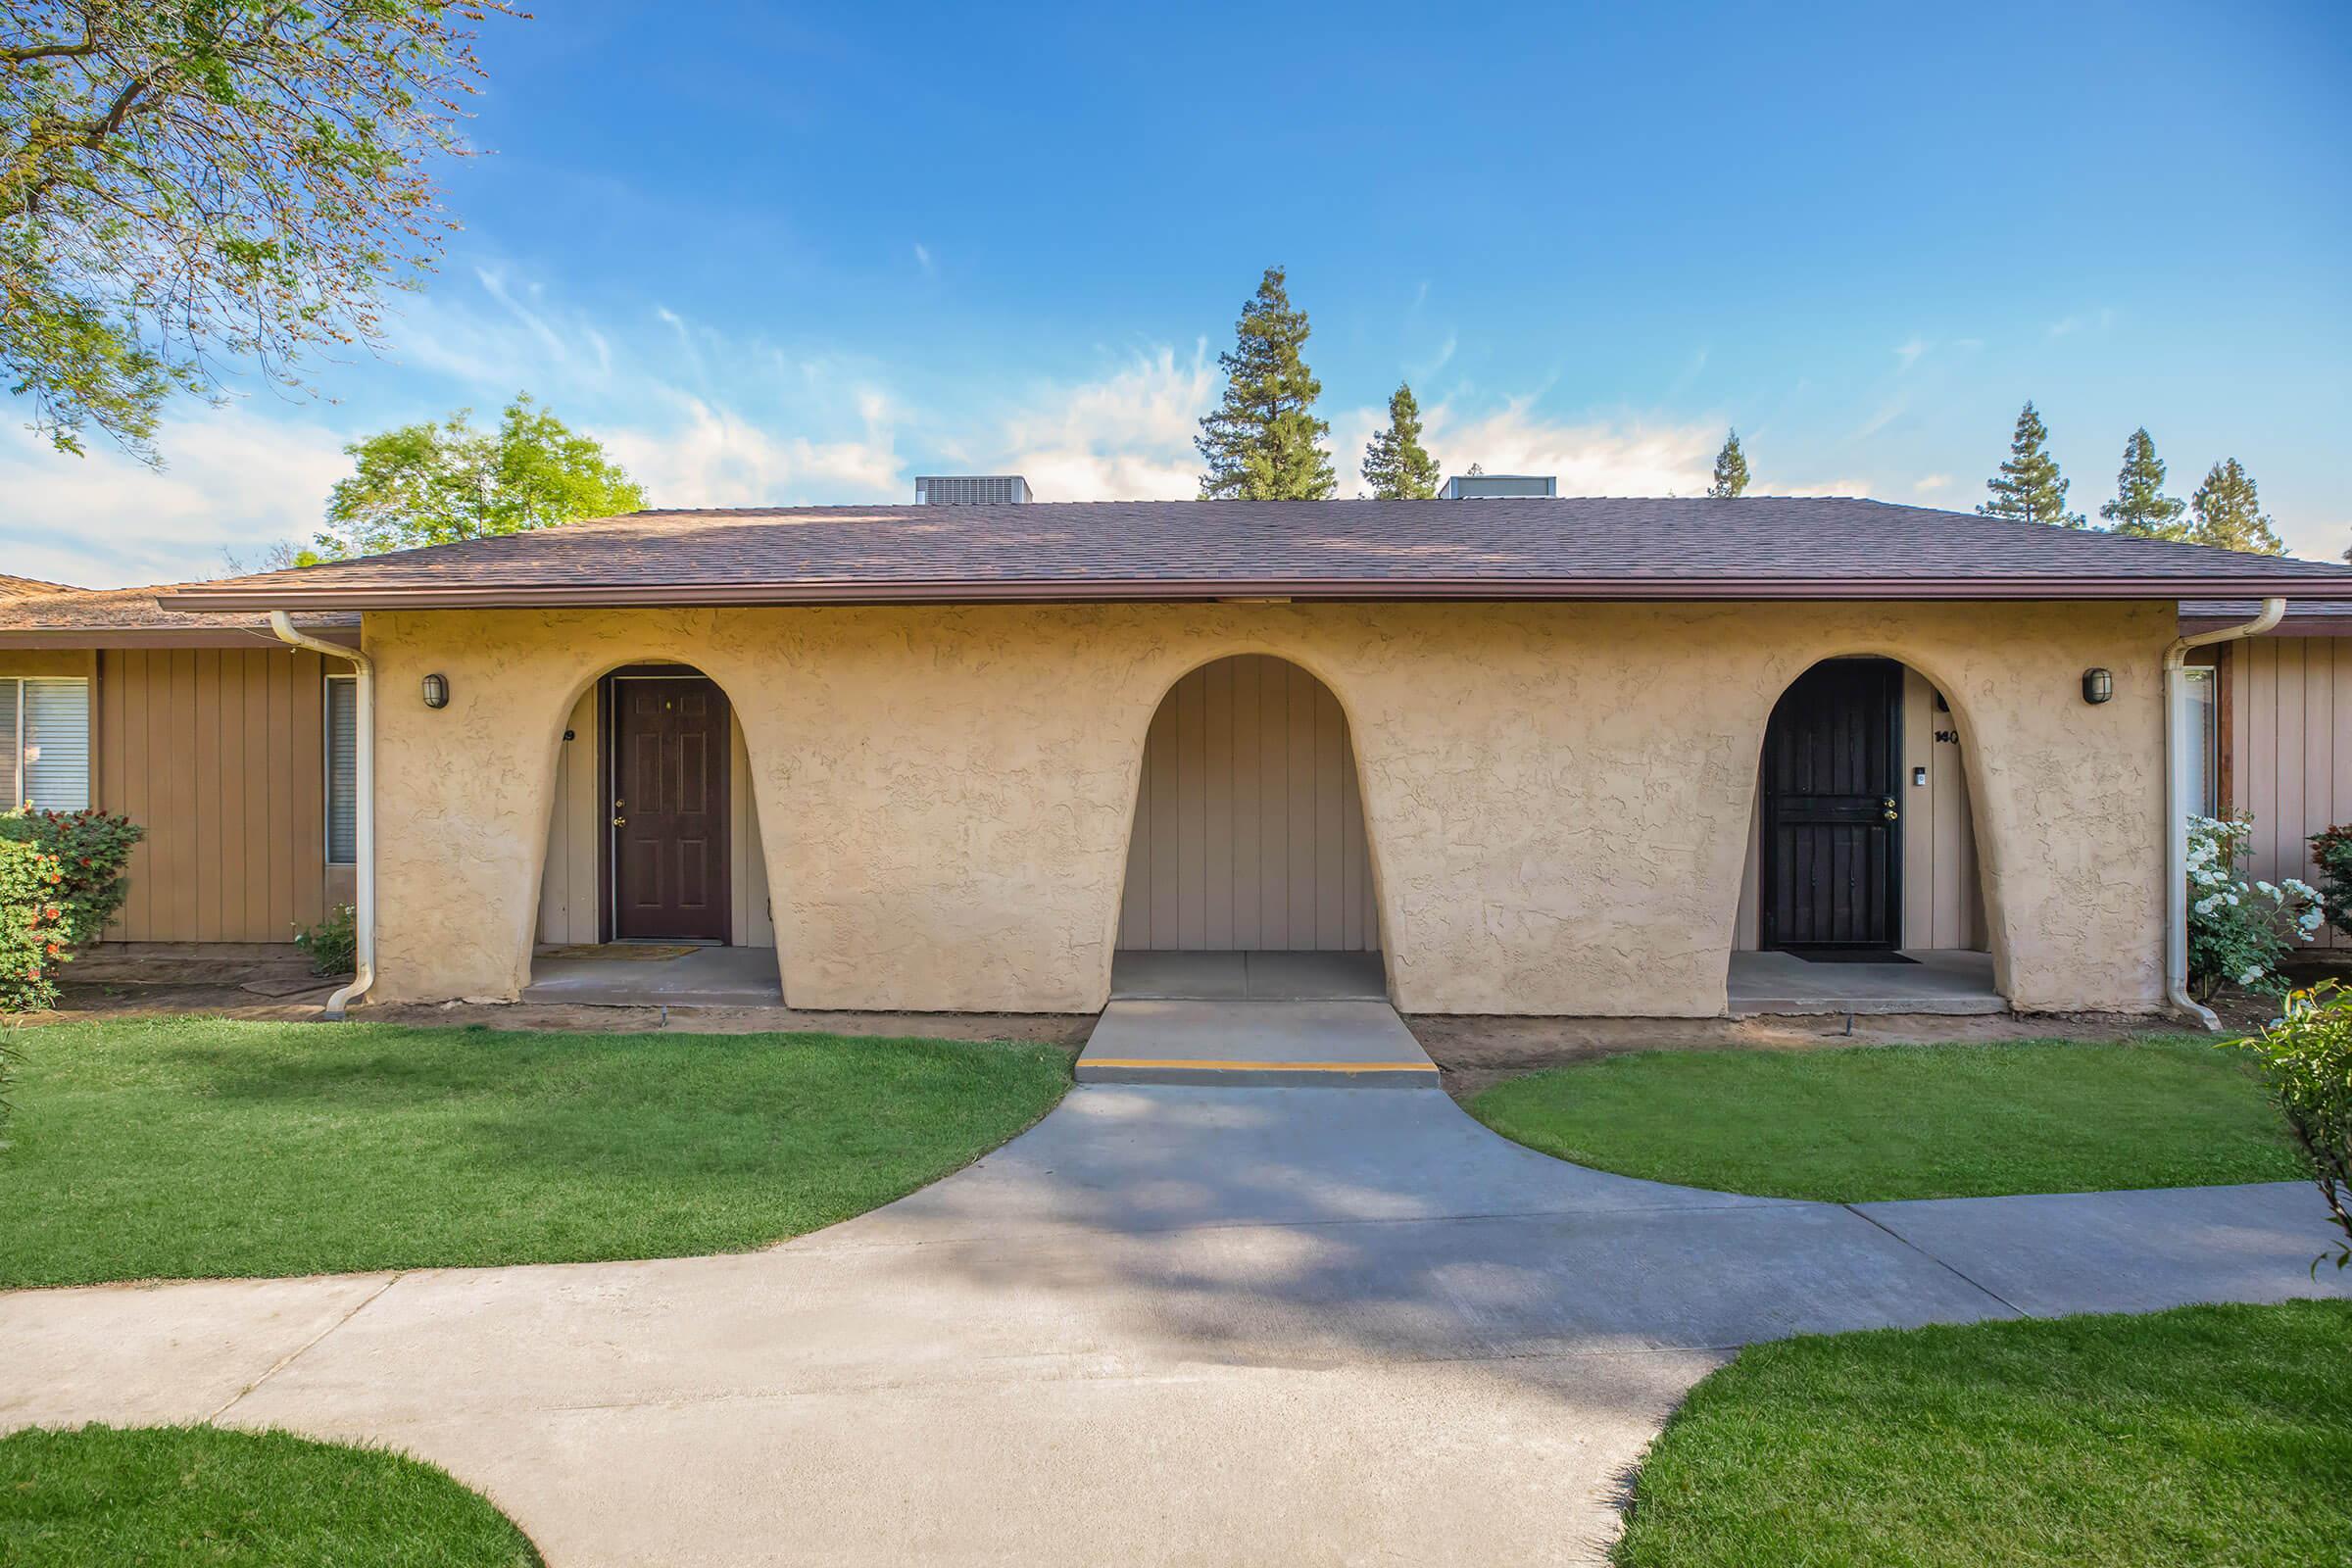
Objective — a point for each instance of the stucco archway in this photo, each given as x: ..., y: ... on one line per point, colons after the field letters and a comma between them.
x: 1248, y: 835
x: 653, y: 838
x: 1864, y: 846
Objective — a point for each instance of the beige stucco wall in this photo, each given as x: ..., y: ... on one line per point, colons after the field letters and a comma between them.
x: 1557, y: 796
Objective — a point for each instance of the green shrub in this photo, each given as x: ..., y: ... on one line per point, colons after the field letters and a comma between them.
x: 2307, y: 1056
x: 32, y: 939
x: 2239, y: 930
x: 2332, y: 853
x: 333, y: 943
x: 93, y: 851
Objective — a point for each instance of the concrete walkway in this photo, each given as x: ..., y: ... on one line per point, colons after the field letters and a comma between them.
x: 1169, y: 1325
x: 1295, y: 1044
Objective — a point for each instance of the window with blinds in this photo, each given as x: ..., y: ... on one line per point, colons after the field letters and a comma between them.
x: 342, y: 770
x: 45, y: 743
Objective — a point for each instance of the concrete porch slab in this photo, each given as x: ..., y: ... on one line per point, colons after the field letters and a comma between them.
x: 1140, y: 974
x: 706, y: 977
x: 1360, y: 1044
x: 1940, y: 981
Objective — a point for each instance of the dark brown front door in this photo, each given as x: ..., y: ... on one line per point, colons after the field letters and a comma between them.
x: 669, y: 809
x: 1833, y: 846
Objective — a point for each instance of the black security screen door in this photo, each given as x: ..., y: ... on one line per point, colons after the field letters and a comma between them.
x: 1832, y: 848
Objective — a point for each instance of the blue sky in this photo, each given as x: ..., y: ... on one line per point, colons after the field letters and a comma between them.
x: 787, y: 254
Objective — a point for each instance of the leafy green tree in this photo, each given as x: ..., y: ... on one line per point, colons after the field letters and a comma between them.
x: 185, y: 180
x: 1263, y: 442
x: 429, y: 484
x: 2141, y: 507
x: 1731, y: 470
x: 2229, y: 514
x: 2027, y: 488
x: 1396, y: 466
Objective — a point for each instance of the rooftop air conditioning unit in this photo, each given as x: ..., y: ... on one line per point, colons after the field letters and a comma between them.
x: 970, y: 489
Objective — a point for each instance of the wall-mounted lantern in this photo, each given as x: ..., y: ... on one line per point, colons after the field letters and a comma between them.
x: 436, y: 691
x: 2098, y: 685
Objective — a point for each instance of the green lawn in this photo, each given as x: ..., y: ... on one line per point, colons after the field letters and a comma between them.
x: 162, y: 1496
x: 194, y: 1146
x: 2212, y: 1437
x: 1853, y: 1124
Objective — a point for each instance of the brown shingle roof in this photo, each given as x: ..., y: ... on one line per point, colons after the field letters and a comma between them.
x: 28, y: 587
x: 1755, y: 547
x: 94, y: 617
x: 2305, y: 617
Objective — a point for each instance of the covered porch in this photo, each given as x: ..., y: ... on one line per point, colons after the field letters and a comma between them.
x: 634, y: 974
x: 1929, y: 980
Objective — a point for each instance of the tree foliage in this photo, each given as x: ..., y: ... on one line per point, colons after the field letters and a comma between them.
x: 1396, y: 466
x: 2141, y: 507
x: 430, y: 484
x: 1731, y: 470
x: 2027, y: 488
x: 184, y: 181
x: 1263, y: 441
x: 2228, y: 513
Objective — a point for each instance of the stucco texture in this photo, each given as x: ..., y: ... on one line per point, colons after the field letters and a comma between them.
x: 1558, y: 796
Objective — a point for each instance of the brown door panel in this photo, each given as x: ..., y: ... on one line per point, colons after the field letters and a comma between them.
x: 671, y: 814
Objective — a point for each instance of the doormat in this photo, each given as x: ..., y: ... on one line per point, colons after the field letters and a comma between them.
x: 615, y: 949
x: 1848, y: 955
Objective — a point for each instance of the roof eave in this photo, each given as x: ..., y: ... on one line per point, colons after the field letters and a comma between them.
x: 161, y: 636
x: 1054, y: 591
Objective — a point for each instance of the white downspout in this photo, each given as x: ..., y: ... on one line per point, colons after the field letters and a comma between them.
x: 2176, y: 803
x: 363, y: 810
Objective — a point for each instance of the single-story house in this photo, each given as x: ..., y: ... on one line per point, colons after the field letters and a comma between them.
x: 2283, y: 730
x: 1527, y: 756
x: 234, y: 751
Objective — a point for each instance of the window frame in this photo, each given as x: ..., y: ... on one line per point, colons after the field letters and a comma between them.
x: 21, y: 765
x: 326, y: 768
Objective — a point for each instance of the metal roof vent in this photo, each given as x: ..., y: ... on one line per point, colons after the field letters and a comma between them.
x: 970, y: 489
x: 1488, y: 486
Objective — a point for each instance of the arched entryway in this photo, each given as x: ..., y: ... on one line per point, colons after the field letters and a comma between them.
x: 654, y: 885
x: 1249, y: 870
x: 1863, y: 889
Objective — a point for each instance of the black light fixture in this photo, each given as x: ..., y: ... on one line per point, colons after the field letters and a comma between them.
x: 436, y: 691
x: 2098, y: 685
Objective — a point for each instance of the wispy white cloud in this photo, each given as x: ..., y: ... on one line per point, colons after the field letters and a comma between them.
x: 711, y: 456
x: 1588, y: 459
x: 1127, y: 436
x: 1927, y: 485
x: 237, y: 482
x: 2100, y: 318
x: 922, y: 258
x: 1910, y: 350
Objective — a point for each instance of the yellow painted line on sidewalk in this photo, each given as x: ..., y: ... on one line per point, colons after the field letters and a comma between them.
x: 1257, y: 1066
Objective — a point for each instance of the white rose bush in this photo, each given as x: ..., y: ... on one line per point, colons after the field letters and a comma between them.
x: 2239, y: 930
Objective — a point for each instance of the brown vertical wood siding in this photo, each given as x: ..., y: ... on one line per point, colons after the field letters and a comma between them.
x: 1249, y: 825
x: 2289, y: 749
x: 220, y: 753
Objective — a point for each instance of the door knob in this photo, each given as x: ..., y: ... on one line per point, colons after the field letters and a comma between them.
x: 620, y: 821
x: 1886, y: 808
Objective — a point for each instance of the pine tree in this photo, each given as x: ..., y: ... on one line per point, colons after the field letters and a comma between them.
x: 2141, y: 507
x: 1731, y: 470
x: 1396, y: 466
x: 2229, y: 514
x: 1263, y: 442
x: 2027, y: 487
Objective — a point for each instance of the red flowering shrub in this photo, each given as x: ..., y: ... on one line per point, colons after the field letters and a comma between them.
x: 92, y: 850
x: 31, y: 926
